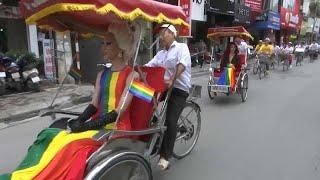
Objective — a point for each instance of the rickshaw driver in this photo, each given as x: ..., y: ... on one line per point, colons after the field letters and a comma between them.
x: 266, y: 50
x: 175, y: 58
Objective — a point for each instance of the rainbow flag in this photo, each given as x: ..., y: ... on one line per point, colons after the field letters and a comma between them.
x: 227, y: 77
x: 141, y: 91
x: 75, y: 73
x: 56, y: 154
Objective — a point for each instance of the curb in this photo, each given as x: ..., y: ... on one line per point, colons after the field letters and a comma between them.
x: 34, y: 113
x: 199, y: 74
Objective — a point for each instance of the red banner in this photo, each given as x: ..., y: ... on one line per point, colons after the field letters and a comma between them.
x: 255, y: 5
x: 186, y: 7
x: 290, y: 17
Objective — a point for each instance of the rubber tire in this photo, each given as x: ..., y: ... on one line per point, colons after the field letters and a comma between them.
x: 18, y: 86
x: 114, y: 162
x: 209, y: 90
x: 197, y: 133
x: 36, y: 87
x: 254, y: 69
x: 2, y: 87
x: 260, y: 72
x: 246, y: 86
x: 272, y: 65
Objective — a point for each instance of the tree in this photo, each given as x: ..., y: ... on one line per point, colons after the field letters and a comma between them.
x: 314, y: 12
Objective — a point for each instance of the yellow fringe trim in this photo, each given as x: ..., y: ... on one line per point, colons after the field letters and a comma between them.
x: 65, y: 7
x: 219, y: 34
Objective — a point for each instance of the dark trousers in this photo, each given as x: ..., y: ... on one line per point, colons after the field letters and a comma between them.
x: 175, y: 106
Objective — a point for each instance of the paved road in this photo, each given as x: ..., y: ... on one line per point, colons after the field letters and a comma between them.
x: 275, y: 135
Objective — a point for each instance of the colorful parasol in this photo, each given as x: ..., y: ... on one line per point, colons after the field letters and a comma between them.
x: 86, y: 16
x: 228, y: 32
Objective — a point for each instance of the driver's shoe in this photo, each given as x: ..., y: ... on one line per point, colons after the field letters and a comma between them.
x: 163, y: 164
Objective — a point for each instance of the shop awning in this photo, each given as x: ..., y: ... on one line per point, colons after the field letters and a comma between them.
x: 84, y: 15
x: 228, y: 32
x: 265, y: 25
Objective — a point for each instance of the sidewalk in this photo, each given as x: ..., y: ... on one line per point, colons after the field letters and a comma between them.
x: 197, y: 71
x: 15, y: 107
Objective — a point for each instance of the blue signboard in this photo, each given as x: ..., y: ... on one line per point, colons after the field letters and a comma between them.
x: 272, y: 22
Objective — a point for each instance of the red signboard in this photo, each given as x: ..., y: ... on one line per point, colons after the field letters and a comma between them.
x: 186, y: 6
x: 255, y: 5
x: 290, y: 17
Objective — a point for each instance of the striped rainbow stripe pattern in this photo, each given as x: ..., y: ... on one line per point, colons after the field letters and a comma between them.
x: 56, y: 154
x: 141, y: 91
x: 227, y: 78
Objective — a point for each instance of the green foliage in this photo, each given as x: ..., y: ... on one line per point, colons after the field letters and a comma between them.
x: 314, y: 8
x: 12, y: 54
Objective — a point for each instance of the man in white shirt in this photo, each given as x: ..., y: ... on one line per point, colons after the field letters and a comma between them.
x: 289, y: 51
x: 243, y: 48
x: 313, y: 48
x: 299, y: 51
x: 175, y: 58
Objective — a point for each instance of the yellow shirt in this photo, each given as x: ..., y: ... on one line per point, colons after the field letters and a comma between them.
x: 258, y: 47
x: 266, y: 49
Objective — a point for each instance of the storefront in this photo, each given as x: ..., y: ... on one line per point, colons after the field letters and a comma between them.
x: 198, y: 20
x: 268, y: 26
x: 290, y: 19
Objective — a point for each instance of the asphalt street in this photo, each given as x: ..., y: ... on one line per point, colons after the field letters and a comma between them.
x: 275, y: 135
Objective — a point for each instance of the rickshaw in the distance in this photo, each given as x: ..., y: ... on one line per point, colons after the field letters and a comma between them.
x: 123, y: 154
x: 238, y: 84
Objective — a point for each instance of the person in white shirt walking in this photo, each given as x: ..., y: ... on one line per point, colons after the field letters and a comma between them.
x: 299, y: 51
x: 175, y: 58
x: 289, y: 51
x: 313, y: 49
x: 243, y: 48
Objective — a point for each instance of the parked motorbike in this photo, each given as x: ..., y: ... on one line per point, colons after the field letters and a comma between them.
x: 2, y: 76
x: 30, y: 75
x: 13, y: 78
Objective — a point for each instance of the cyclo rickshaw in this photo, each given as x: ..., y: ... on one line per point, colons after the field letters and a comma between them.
x: 125, y: 154
x: 241, y: 83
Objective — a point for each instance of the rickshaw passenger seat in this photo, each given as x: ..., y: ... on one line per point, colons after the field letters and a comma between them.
x: 141, y: 111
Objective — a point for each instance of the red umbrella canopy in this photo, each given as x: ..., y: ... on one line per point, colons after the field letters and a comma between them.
x: 228, y: 32
x: 95, y: 15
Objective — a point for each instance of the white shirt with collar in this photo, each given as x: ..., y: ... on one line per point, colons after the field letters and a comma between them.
x: 178, y: 53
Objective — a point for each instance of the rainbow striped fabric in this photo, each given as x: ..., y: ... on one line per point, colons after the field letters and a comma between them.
x: 56, y: 154
x: 227, y: 77
x: 75, y: 73
x: 112, y: 85
x: 141, y: 91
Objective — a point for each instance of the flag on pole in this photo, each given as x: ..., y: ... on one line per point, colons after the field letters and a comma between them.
x: 141, y: 91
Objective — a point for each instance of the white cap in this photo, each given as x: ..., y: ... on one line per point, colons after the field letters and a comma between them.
x: 171, y: 28
x: 267, y: 39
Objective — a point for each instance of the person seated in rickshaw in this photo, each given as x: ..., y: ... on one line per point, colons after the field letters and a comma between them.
x: 265, y: 52
x: 230, y: 64
x: 230, y: 57
x: 59, y: 154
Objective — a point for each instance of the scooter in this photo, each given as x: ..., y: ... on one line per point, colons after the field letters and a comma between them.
x: 13, y: 78
x: 2, y: 77
x: 31, y: 79
x: 30, y: 76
